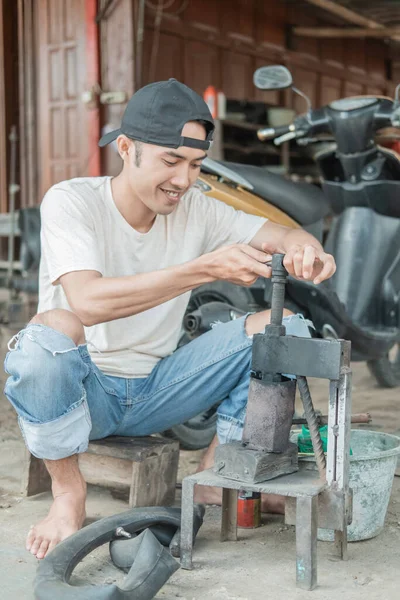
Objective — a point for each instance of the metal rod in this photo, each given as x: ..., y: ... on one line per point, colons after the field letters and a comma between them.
x: 13, y: 188
x: 278, y: 298
x: 278, y: 279
x: 323, y: 419
x: 313, y: 426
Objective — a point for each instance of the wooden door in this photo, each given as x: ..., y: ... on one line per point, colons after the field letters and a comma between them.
x: 118, y: 69
x: 3, y: 127
x: 330, y: 90
x: 66, y: 125
x: 8, y: 94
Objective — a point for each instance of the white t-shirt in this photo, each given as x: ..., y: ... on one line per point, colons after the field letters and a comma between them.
x: 82, y: 229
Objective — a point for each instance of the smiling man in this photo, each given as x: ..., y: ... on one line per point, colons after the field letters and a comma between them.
x: 120, y: 257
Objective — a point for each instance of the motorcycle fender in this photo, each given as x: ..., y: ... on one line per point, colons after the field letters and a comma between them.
x: 241, y: 199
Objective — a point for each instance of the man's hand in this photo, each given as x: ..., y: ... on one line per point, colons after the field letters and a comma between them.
x: 240, y: 264
x: 304, y: 256
x: 308, y: 262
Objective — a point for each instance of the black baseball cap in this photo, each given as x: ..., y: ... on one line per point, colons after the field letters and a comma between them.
x: 157, y: 113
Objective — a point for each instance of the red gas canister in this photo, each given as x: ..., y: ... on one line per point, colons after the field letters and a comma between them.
x: 249, y: 509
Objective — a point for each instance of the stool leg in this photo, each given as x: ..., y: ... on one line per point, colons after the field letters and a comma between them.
x: 306, y: 542
x: 35, y: 478
x: 341, y: 543
x: 229, y: 515
x: 187, y: 519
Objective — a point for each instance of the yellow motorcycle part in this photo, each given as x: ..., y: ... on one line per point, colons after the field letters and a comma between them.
x: 242, y: 199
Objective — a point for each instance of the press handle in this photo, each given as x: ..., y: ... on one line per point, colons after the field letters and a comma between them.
x: 278, y: 279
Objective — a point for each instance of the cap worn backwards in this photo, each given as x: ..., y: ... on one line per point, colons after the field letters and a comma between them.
x: 157, y: 113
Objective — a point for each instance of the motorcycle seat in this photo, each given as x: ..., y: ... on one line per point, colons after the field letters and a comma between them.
x: 304, y: 202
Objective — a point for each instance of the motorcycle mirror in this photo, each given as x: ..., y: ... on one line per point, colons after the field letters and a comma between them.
x: 276, y: 77
x: 395, y: 116
x: 397, y: 94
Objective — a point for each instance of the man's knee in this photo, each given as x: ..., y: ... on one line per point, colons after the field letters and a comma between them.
x: 257, y: 322
x: 64, y: 321
x: 45, y: 368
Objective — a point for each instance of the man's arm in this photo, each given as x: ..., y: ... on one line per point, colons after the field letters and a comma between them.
x: 304, y: 256
x: 96, y: 299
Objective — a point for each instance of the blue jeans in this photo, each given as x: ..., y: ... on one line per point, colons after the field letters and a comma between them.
x: 63, y: 400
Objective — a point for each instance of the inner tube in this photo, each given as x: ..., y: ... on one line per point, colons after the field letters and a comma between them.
x: 152, y: 563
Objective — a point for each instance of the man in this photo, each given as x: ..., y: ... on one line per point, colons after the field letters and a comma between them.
x: 120, y: 257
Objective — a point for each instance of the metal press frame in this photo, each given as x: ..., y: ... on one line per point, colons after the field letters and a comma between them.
x: 312, y: 500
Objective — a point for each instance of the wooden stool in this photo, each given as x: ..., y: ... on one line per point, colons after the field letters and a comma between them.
x: 146, y: 467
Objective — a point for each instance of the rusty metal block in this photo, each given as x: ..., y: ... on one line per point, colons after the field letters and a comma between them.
x: 239, y: 463
x: 269, y: 415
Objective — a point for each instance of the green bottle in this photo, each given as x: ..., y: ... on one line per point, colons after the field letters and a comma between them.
x: 304, y: 440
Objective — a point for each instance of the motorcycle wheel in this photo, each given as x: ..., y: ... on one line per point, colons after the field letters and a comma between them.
x: 198, y: 433
x: 386, y: 370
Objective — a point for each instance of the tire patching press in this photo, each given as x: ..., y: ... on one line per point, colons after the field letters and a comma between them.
x: 265, y: 450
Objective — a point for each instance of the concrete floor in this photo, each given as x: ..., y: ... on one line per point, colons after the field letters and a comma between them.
x: 260, y: 565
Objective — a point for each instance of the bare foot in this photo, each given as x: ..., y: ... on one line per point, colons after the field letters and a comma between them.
x: 204, y: 494
x: 66, y: 516
x: 270, y: 503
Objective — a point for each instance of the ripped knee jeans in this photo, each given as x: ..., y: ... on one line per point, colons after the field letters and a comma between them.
x: 63, y: 400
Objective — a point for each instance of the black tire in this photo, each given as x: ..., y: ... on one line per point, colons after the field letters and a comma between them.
x: 197, y: 433
x: 220, y: 291
x: 386, y: 370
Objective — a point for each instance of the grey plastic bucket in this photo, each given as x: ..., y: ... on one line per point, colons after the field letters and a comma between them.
x: 372, y: 467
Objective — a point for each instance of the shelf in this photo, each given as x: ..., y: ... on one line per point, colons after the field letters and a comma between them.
x: 242, y: 124
x: 252, y: 149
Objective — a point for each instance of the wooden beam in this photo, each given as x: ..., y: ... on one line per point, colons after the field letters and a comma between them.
x: 344, y: 13
x: 3, y: 119
x: 28, y: 152
x: 8, y: 93
x: 348, y: 15
x: 346, y: 32
x: 92, y: 80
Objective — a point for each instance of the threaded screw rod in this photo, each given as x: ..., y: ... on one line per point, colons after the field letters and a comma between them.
x: 312, y: 422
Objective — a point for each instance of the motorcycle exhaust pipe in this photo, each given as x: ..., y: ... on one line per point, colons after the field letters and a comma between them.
x: 202, y: 319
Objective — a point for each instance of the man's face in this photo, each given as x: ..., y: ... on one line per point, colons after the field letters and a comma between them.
x: 165, y: 174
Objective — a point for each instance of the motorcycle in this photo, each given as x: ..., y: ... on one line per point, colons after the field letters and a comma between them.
x: 361, y: 189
